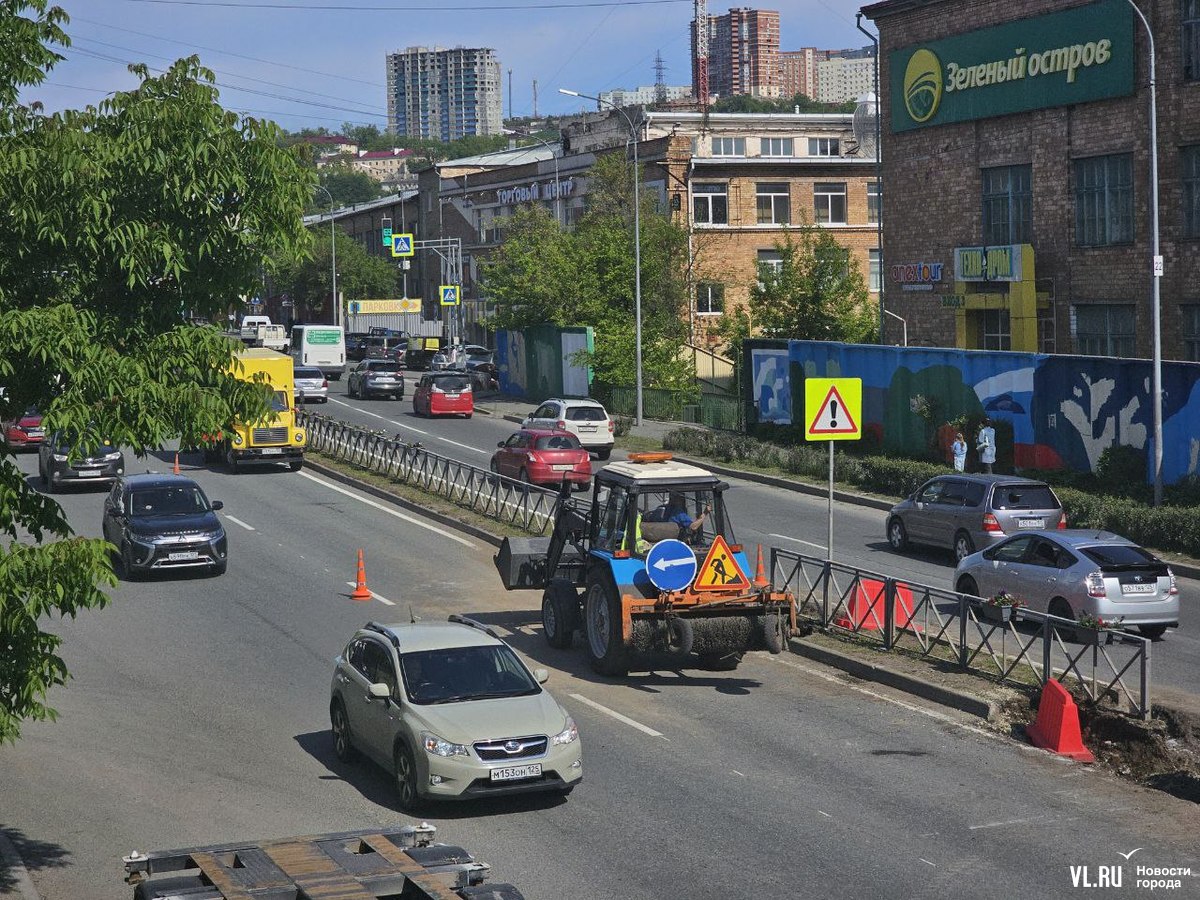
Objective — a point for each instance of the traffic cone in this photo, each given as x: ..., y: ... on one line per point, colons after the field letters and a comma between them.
x: 760, y: 575
x: 360, y: 588
x: 175, y: 469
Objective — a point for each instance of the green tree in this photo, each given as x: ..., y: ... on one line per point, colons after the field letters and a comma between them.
x: 116, y: 223
x: 817, y: 293
x: 744, y: 103
x: 360, y: 276
x: 346, y: 186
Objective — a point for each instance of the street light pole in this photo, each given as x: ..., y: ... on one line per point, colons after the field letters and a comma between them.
x: 337, y: 305
x: 637, y: 242
x: 550, y: 147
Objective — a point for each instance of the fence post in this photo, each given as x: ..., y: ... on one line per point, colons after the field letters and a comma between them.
x: 1145, y: 692
x: 1047, y: 632
x: 889, y: 613
x: 826, y: 576
x: 963, y: 655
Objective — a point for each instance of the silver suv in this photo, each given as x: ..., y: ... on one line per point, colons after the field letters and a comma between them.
x: 585, y: 418
x: 452, y: 712
x: 965, y: 513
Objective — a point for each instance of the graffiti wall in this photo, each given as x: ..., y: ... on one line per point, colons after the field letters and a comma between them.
x: 543, y: 361
x: 1062, y: 411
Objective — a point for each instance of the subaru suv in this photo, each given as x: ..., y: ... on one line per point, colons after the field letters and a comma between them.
x: 965, y: 513
x: 585, y: 418
x: 452, y: 712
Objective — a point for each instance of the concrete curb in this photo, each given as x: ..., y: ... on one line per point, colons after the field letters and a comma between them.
x: 789, y: 485
x: 516, y: 419
x: 909, y: 684
x: 22, y: 883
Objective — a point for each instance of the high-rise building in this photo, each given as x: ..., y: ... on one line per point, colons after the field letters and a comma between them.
x: 844, y: 75
x: 444, y: 94
x: 644, y: 95
x: 798, y: 72
x: 743, y: 53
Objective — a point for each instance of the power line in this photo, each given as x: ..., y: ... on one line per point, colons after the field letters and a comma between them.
x: 591, y: 4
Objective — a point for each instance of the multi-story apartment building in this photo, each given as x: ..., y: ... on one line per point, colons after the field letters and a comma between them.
x: 743, y: 53
x: 643, y: 96
x: 798, y: 72
x: 846, y: 76
x: 444, y: 94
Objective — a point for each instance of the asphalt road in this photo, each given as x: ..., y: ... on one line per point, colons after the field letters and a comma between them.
x: 197, y: 714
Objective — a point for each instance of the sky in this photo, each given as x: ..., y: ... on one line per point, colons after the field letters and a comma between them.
x: 319, y: 67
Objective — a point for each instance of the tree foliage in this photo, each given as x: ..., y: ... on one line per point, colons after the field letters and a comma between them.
x: 346, y: 186
x: 117, y: 223
x: 359, y: 275
x: 744, y: 103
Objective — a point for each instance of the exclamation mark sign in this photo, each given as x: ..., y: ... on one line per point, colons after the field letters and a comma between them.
x: 833, y: 414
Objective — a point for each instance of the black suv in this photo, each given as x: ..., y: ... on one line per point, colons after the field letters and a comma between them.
x: 161, y: 522
x: 57, y: 465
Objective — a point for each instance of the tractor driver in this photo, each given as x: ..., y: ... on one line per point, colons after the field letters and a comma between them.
x: 676, y: 511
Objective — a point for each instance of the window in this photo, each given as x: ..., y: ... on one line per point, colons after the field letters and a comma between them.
x: 875, y: 271
x: 777, y: 147
x: 829, y: 202
x: 1011, y: 551
x: 710, y: 298
x: 728, y: 146
x: 774, y: 206
x: 771, y: 260
x: 1191, y: 191
x: 824, y: 146
x: 1104, y: 200
x: 1190, y: 29
x: 710, y: 204
x: 1007, y: 205
x: 1105, y: 329
x: 995, y: 332
x: 873, y: 202
x: 1191, y: 331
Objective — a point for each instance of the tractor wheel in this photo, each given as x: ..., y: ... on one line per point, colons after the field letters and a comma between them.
x: 560, y: 613
x: 602, y: 628
x: 681, y: 633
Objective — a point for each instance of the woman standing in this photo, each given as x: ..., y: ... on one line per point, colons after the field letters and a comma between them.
x: 959, y: 449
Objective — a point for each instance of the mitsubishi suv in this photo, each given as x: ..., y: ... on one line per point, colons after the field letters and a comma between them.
x: 452, y: 712
x: 161, y: 522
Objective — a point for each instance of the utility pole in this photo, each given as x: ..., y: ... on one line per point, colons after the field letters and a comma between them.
x: 660, y: 82
x: 535, y: 98
x: 511, y: 113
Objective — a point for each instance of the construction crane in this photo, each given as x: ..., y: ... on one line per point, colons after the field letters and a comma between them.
x: 701, y: 25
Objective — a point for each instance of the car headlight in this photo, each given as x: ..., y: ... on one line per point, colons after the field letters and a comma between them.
x: 237, y: 438
x: 568, y: 735
x: 109, y: 457
x: 60, y: 457
x: 299, y: 437
x: 214, y: 535
x: 440, y: 746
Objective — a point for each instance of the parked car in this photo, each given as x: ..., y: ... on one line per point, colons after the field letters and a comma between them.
x: 1075, y: 571
x: 444, y: 393
x: 376, y: 377
x: 163, y: 522
x: 965, y: 513
x: 543, y: 457
x: 584, y: 418
x: 310, y: 385
x: 374, y: 346
x: 25, y: 432
x: 100, y: 465
x: 451, y: 712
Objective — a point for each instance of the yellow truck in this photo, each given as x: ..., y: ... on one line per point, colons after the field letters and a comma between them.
x: 275, y: 440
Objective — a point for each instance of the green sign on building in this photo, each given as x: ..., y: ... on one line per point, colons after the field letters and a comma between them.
x: 1059, y: 59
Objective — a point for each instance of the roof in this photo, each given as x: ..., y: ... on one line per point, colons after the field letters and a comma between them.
x: 146, y: 479
x: 417, y: 636
x: 659, y: 471
x: 578, y: 401
x: 889, y: 7
x: 984, y: 478
x: 342, y: 212
x: 261, y: 353
x: 395, y: 153
x: 513, y: 157
x: 1086, y: 537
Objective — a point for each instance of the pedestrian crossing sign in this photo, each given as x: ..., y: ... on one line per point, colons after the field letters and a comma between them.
x: 402, y: 244
x: 449, y: 294
x: 720, y: 571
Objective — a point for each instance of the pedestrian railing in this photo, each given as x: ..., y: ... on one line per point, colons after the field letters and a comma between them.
x: 943, y: 626
x: 525, y: 506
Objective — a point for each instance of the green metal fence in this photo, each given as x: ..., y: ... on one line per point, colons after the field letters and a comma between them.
x: 713, y: 410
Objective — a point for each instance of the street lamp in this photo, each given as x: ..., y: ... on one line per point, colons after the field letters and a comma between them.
x: 550, y: 147
x: 337, y: 306
x: 637, y: 243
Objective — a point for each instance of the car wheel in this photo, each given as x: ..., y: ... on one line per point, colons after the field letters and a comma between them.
x: 296, y: 465
x: 128, y: 572
x: 604, y: 453
x: 602, y: 627
x: 967, y: 586
x: 343, y: 743
x: 560, y: 612
x: 467, y: 416
x: 720, y: 662
x: 406, y: 779
x: 963, y: 546
x: 1061, y: 608
x: 1153, y: 632
x: 897, y: 535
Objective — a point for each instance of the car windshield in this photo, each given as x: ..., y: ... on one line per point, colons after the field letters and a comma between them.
x: 586, y: 414
x: 310, y: 374
x: 674, y: 513
x: 557, y: 442
x: 459, y: 674
x: 452, y: 383
x: 1024, y: 496
x: 168, y: 500
x: 67, y: 439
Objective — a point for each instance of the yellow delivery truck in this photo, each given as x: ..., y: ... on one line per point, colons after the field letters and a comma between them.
x: 277, y: 439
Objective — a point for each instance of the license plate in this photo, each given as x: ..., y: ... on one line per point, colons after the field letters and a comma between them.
x: 1031, y: 523
x: 271, y: 451
x: 562, y: 468
x: 35, y: 433
x: 452, y: 396
x: 587, y: 427
x: 513, y: 773
x: 385, y: 380
x: 1138, y: 588
x: 89, y: 473
x: 180, y: 555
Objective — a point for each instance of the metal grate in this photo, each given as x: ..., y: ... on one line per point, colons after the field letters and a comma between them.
x: 271, y: 435
x: 512, y: 748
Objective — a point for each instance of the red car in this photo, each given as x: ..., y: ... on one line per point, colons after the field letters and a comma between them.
x: 444, y: 393
x: 25, y: 432
x: 544, y: 457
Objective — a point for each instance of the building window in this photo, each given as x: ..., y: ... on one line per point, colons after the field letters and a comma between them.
x: 777, y: 147
x: 710, y: 298
x: 728, y: 146
x: 875, y: 272
x: 994, y: 329
x: 1104, y: 329
x: 1191, y: 331
x: 824, y: 146
x: 1191, y: 39
x: 1191, y: 191
x: 710, y: 204
x: 873, y: 202
x: 770, y: 262
x: 829, y: 202
x: 1104, y: 200
x: 1007, y: 205
x: 774, y: 207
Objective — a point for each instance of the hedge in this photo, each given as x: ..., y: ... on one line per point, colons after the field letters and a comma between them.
x: 1167, y: 527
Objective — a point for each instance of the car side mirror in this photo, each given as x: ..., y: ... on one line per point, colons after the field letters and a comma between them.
x: 379, y: 691
x: 542, y: 675
x: 217, y: 505
x: 500, y: 444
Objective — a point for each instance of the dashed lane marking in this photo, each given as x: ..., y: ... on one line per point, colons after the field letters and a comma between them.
x: 379, y: 597
x: 236, y: 521
x: 367, y: 412
x: 645, y: 729
x: 797, y: 540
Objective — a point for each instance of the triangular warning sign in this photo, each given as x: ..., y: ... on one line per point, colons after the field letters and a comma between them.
x: 720, y: 571
x: 833, y: 416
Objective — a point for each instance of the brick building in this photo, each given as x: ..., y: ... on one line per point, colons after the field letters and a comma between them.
x: 1017, y: 163
x: 798, y: 72
x: 743, y: 53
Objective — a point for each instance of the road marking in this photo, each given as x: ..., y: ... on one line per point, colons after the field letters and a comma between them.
x: 391, y: 512
x: 464, y: 446
x: 236, y: 521
x: 736, y: 772
x: 825, y: 814
x: 645, y: 729
x: 1002, y: 824
x: 365, y: 412
x: 927, y: 862
x: 378, y: 597
x: 797, y: 540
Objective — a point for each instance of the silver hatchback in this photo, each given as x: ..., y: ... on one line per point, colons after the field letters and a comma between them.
x: 965, y: 513
x: 1074, y: 571
x: 311, y: 386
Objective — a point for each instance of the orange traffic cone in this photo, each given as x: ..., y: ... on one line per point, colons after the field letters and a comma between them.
x: 360, y: 589
x: 175, y: 469
x: 760, y: 575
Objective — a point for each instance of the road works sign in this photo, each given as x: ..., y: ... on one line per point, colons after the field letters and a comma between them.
x: 402, y: 244
x: 720, y: 571
x: 671, y: 565
x: 449, y: 294
x: 833, y: 409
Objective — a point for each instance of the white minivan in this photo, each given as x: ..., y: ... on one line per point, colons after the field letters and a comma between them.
x: 322, y: 347
x: 250, y: 328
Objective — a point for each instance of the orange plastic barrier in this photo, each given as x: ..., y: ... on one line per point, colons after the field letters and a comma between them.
x: 1057, y: 725
x: 865, y: 609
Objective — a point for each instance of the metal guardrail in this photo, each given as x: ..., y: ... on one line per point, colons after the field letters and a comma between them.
x: 498, y: 497
x: 945, y: 626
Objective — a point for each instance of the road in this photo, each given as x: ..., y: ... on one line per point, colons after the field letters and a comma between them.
x: 197, y: 713
x: 763, y: 514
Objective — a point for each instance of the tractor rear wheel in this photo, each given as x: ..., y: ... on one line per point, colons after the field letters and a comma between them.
x: 602, y: 628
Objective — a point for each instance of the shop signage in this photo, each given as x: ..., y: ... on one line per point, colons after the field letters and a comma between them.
x: 1060, y: 59
x: 953, y: 301
x: 919, y: 276
x: 988, y: 263
x: 539, y: 190
x: 399, y: 305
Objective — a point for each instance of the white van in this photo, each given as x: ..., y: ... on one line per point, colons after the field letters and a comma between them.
x: 322, y: 347
x: 250, y: 328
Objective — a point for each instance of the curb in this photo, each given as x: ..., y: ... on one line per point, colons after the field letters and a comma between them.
x: 798, y: 487
x: 15, y: 869
x: 909, y: 684
x: 516, y: 419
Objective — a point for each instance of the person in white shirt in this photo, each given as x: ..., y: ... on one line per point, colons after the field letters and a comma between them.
x: 985, y: 443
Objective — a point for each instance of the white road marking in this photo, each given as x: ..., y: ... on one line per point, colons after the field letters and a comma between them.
x: 365, y: 412
x: 736, y: 772
x: 825, y: 814
x: 797, y: 540
x: 236, y: 521
x: 645, y: 729
x: 391, y: 512
x: 378, y: 597
x: 927, y: 862
x: 1002, y: 824
x: 457, y: 444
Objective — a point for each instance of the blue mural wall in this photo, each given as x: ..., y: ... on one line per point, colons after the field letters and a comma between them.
x: 541, y: 362
x: 1064, y: 410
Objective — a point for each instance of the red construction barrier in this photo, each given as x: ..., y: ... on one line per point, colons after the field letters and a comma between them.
x: 865, y: 607
x: 1057, y: 725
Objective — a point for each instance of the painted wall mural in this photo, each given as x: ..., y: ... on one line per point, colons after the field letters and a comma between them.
x: 541, y: 362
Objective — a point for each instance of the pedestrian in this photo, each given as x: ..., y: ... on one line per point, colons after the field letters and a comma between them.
x: 985, y: 443
x: 959, y: 449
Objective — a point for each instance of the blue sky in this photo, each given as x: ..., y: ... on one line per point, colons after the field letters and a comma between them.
x: 324, y: 67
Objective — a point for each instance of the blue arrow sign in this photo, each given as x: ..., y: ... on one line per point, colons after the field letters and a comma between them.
x: 671, y: 565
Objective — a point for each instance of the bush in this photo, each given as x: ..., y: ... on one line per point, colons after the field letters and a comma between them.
x: 1121, y: 470
x: 621, y: 426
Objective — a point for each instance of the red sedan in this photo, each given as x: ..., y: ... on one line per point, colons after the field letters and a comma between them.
x: 544, y: 457
x: 444, y: 393
x: 25, y: 432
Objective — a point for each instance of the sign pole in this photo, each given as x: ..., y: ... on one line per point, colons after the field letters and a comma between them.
x: 829, y: 538
x: 832, y: 412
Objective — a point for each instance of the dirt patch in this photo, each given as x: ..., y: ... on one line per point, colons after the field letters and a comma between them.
x: 1162, y: 753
